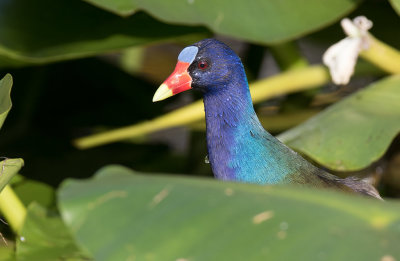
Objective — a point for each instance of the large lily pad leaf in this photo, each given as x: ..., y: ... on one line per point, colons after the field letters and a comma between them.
x: 34, y: 32
x: 44, y: 237
x: 120, y: 216
x: 354, y: 132
x: 258, y: 21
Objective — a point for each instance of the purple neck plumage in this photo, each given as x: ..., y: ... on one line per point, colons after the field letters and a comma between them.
x: 239, y: 149
x: 230, y: 116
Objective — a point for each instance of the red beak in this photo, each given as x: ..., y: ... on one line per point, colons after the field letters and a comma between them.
x: 177, y: 82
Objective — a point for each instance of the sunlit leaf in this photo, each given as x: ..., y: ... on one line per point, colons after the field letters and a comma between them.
x: 354, y: 132
x: 257, y: 21
x: 175, y: 218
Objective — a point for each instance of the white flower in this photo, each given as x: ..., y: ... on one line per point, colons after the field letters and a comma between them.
x: 342, y: 56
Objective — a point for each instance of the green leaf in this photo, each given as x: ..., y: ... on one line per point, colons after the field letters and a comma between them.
x: 120, y: 216
x: 7, y: 252
x: 35, y: 32
x: 257, y: 21
x: 5, y: 99
x: 8, y: 169
x: 45, y: 237
x: 396, y: 5
x: 354, y: 132
x: 31, y: 190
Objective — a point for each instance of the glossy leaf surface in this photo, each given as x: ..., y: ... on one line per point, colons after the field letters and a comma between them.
x: 36, y: 32
x: 145, y: 217
x: 354, y: 132
x: 257, y: 21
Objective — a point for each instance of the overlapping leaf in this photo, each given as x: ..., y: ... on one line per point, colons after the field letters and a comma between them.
x: 257, y: 21
x: 174, y: 218
x: 34, y: 191
x: 44, y: 237
x: 34, y: 32
x: 8, y: 167
x: 353, y: 133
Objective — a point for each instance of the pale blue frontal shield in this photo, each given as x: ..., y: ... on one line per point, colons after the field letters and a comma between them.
x: 188, y: 54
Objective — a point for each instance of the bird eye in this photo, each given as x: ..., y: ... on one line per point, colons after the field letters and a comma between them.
x: 202, y: 64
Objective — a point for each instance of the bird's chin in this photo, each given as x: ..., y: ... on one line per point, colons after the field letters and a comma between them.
x: 199, y: 88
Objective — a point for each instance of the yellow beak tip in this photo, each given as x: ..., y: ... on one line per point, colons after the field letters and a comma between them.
x: 162, y: 93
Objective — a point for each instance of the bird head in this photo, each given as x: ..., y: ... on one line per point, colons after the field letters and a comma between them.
x: 208, y: 66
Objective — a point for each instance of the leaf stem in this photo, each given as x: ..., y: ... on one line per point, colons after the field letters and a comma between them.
x: 273, y: 123
x: 287, y: 82
x: 382, y: 55
x: 12, y: 208
x: 288, y: 56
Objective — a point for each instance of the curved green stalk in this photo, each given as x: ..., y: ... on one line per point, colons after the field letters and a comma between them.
x: 382, y: 55
x: 273, y: 123
x: 12, y: 208
x: 288, y: 56
x: 303, y: 78
x: 287, y: 82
